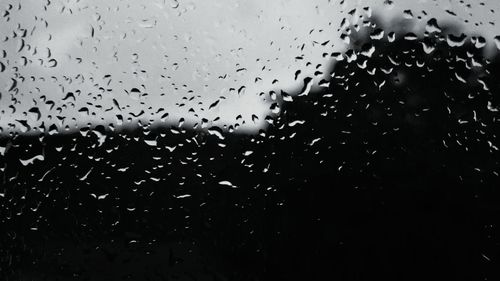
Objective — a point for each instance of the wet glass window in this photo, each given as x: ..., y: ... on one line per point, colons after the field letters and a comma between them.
x: 249, y: 140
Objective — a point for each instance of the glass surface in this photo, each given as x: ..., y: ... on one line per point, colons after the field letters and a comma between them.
x: 249, y: 140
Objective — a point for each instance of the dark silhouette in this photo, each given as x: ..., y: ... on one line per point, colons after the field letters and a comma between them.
x: 390, y: 173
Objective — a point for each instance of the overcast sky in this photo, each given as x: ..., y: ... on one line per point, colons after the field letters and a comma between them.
x: 69, y: 62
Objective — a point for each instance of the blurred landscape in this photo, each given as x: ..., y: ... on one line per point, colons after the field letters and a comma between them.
x: 388, y: 170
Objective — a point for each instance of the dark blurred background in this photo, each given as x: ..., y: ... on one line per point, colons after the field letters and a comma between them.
x: 389, y: 172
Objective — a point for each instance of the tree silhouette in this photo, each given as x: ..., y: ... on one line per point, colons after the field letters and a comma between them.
x: 389, y: 172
